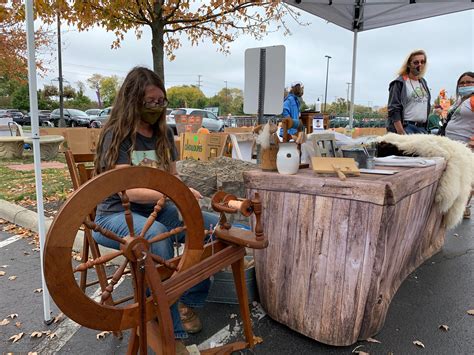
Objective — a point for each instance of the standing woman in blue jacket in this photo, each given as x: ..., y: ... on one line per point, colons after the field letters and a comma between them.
x: 409, y: 97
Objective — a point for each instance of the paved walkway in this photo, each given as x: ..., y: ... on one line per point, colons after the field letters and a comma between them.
x: 44, y: 165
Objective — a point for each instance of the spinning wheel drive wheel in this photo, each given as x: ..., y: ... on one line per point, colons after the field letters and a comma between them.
x: 59, y: 269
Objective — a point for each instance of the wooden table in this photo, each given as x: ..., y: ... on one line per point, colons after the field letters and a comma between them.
x: 339, y: 250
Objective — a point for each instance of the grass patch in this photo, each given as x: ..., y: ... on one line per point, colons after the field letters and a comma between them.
x: 20, y: 186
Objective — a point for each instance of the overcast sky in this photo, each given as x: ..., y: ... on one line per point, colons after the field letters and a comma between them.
x: 448, y: 41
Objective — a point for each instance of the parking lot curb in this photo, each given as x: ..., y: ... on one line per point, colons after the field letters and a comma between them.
x: 29, y: 219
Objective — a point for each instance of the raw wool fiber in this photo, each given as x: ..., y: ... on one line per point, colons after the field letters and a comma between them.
x: 457, y: 180
x: 208, y: 176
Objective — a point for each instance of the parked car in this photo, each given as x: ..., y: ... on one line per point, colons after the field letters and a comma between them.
x: 209, y: 119
x: 103, y: 115
x: 43, y: 117
x: 93, y: 111
x: 73, y: 118
x: 5, y: 114
x: 17, y: 116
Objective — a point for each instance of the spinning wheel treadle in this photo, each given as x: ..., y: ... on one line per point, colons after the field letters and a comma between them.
x: 167, y: 280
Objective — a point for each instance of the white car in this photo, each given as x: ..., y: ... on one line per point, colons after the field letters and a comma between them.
x: 209, y: 119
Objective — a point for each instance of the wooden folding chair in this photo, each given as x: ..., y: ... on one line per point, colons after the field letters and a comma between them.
x: 80, y: 173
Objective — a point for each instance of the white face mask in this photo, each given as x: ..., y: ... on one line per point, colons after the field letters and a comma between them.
x: 465, y: 90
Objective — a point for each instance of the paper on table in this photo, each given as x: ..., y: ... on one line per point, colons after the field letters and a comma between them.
x: 378, y: 171
x: 394, y: 160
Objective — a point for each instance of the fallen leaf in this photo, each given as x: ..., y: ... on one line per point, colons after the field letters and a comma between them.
x: 38, y: 290
x: 357, y: 351
x: 372, y: 340
x: 32, y: 353
x: 102, y: 335
x: 26, y: 253
x: 18, y: 324
x: 36, y: 335
x: 11, y: 278
x: 58, y: 318
x: 3, y: 266
x: 419, y: 343
x: 2, y: 273
x: 443, y: 327
x: 36, y: 249
x: 4, y: 322
x: 51, y: 336
x: 13, y: 315
x: 257, y: 340
x: 16, y: 337
x: 471, y: 312
x: 47, y: 332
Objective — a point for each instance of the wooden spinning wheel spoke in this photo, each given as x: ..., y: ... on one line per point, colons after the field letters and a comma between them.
x: 115, y: 278
x: 105, y: 232
x: 158, y: 259
x: 100, y: 260
x: 127, y: 212
x: 152, y: 218
x: 163, y: 236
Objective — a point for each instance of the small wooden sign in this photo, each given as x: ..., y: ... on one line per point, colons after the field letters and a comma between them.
x: 325, y: 165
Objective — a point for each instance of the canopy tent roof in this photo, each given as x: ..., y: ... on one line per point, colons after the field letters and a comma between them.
x: 364, y: 15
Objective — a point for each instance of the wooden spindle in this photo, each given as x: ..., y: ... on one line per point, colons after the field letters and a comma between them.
x: 101, y: 260
x: 115, y: 278
x: 128, y: 213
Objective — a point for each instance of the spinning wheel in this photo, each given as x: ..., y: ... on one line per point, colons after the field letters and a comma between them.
x: 166, y: 279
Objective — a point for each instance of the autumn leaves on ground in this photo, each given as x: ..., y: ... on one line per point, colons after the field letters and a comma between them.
x: 18, y: 186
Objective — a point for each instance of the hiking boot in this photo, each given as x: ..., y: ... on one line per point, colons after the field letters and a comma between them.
x: 181, y: 348
x: 190, y: 320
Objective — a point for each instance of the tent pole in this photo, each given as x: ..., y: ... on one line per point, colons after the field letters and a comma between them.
x: 30, y: 41
x: 354, y: 58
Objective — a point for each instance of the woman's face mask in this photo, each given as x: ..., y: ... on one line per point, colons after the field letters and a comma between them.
x: 151, y: 115
x: 465, y: 90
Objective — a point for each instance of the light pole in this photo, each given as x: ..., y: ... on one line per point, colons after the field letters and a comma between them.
x: 327, y: 73
x: 348, y: 104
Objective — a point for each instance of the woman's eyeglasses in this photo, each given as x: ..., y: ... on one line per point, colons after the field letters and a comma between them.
x: 418, y: 62
x: 158, y: 103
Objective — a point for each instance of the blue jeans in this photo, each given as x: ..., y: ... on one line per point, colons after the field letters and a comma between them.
x: 167, y: 219
x: 412, y: 129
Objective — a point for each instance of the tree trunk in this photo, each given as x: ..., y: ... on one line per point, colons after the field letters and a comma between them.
x: 157, y: 48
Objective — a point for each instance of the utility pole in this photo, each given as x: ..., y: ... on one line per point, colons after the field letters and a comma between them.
x: 226, y: 93
x: 199, y: 81
x: 61, y: 122
x: 327, y: 74
x: 348, y: 104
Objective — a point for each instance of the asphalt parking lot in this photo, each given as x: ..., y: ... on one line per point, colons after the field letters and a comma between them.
x: 440, y: 292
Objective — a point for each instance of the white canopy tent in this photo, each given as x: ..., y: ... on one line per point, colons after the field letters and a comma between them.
x: 363, y: 15
x: 30, y: 41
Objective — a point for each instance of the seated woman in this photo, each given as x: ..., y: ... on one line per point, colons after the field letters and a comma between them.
x: 136, y: 133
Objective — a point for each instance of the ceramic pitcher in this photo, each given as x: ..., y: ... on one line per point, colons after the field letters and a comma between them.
x: 288, y: 159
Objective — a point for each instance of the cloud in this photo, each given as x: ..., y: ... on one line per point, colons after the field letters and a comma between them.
x: 448, y: 41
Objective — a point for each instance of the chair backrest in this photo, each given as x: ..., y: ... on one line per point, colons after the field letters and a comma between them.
x: 78, y: 169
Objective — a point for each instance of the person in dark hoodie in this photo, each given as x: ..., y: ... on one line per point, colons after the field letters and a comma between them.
x: 409, y: 97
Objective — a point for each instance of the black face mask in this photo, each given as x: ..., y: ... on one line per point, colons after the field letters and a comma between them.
x: 415, y: 70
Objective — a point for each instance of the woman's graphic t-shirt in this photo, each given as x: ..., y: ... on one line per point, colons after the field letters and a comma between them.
x: 415, y: 110
x: 143, y: 154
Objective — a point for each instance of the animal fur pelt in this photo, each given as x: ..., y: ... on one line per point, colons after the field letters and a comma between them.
x: 457, y: 180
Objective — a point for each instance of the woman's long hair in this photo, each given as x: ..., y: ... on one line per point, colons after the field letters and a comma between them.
x: 405, y: 68
x: 125, y: 118
x: 468, y: 73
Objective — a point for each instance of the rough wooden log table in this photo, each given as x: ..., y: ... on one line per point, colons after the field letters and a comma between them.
x: 339, y: 250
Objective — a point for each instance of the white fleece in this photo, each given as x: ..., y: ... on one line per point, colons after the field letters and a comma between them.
x: 456, y: 181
